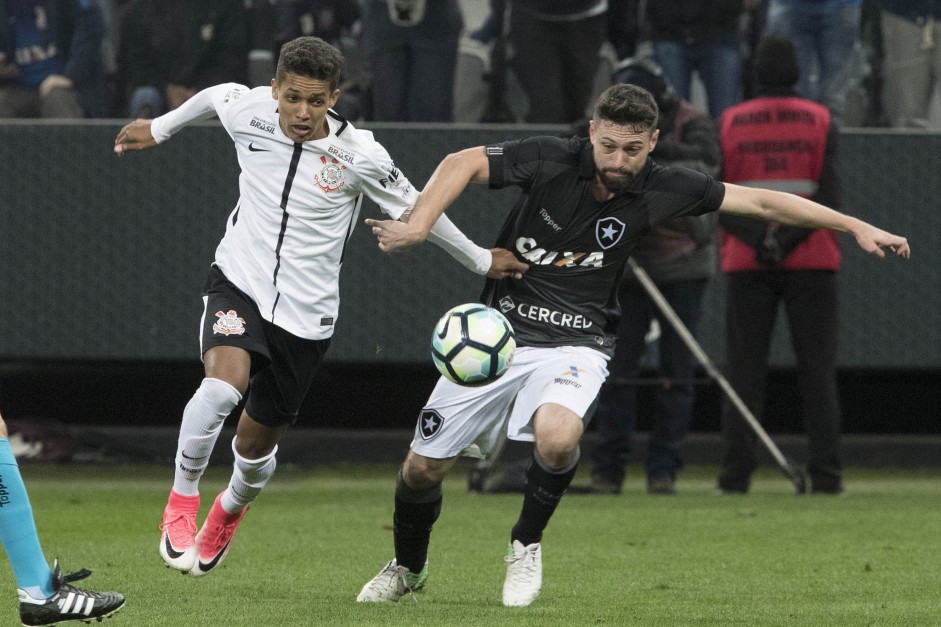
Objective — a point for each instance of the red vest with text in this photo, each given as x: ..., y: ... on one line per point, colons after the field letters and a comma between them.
x: 777, y: 143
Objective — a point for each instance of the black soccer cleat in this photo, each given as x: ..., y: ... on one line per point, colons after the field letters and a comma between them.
x: 68, y: 602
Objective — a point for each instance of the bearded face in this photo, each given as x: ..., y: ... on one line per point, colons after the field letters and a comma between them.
x: 618, y: 180
x: 620, y: 152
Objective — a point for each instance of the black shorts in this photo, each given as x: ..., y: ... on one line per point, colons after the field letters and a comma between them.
x: 283, y: 365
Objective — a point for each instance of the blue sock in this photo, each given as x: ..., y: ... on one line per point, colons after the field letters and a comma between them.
x: 18, y: 531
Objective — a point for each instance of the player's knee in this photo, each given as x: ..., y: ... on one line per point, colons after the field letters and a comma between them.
x: 422, y: 473
x: 237, y: 381
x: 221, y: 395
x: 416, y: 494
x: 557, y: 452
x: 254, y: 440
x: 255, y: 467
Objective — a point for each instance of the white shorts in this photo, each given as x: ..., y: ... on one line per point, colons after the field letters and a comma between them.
x: 472, y: 420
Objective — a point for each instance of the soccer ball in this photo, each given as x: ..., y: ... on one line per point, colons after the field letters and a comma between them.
x: 473, y: 344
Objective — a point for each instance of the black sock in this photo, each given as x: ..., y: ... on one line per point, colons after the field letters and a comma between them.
x: 544, y: 489
x: 415, y: 513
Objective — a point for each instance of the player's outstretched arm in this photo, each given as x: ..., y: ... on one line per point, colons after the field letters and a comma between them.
x: 142, y: 134
x: 789, y: 209
x: 448, y: 181
x: 134, y: 136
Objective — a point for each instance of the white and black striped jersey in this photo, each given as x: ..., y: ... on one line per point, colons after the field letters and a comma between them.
x: 298, y: 204
x: 578, y: 247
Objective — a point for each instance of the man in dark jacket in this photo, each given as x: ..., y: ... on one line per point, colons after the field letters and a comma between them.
x: 680, y: 256
x: 175, y: 48
x: 556, y: 48
x: 701, y: 36
x: 51, y: 59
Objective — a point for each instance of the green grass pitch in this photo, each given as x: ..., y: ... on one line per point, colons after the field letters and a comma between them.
x: 869, y: 557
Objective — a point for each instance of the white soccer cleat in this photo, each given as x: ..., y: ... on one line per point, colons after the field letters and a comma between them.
x: 392, y: 583
x: 523, y: 574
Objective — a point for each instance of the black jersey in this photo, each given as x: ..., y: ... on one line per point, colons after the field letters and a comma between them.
x: 578, y: 247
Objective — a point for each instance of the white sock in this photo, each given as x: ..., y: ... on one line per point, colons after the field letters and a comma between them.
x: 249, y: 476
x: 199, y: 429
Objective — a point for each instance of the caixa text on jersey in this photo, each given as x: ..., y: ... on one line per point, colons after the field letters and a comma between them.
x: 531, y: 252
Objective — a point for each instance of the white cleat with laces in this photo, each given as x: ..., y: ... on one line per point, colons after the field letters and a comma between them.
x: 523, y: 574
x: 392, y: 583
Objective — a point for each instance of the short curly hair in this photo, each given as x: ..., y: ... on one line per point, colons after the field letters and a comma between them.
x: 311, y: 57
x: 627, y: 105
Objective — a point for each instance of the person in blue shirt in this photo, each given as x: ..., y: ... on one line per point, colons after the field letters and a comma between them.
x: 51, y: 63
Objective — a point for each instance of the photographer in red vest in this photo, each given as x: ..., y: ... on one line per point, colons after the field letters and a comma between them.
x: 780, y: 141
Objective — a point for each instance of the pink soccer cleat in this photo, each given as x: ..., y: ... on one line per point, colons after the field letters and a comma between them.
x: 178, y: 532
x: 215, y: 537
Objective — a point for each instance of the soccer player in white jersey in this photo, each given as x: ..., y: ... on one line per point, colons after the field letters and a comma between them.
x: 271, y: 299
x: 584, y: 205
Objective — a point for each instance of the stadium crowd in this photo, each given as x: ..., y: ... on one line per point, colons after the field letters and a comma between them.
x: 871, y: 62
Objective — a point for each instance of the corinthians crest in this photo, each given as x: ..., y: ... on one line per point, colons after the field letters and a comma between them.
x: 228, y: 323
x: 330, y: 178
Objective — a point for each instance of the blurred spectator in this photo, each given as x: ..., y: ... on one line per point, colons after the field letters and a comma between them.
x: 484, y: 84
x: 491, y: 26
x: 174, y: 48
x: 783, y: 142
x: 826, y: 34
x: 51, y: 59
x: 331, y: 20
x: 871, y: 89
x: 911, y: 39
x: 679, y: 256
x: 263, y: 40
x: 701, y: 36
x: 555, y: 55
x: 751, y: 29
x: 338, y: 23
x: 624, y: 27
x: 109, y: 52
x: 411, y: 50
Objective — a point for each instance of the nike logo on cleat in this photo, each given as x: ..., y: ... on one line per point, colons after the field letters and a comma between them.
x: 206, y: 567
x: 173, y: 553
x: 251, y: 147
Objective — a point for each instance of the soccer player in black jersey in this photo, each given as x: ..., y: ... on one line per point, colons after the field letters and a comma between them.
x: 583, y: 206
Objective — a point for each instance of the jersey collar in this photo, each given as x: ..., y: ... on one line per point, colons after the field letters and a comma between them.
x: 339, y: 118
x: 586, y: 162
